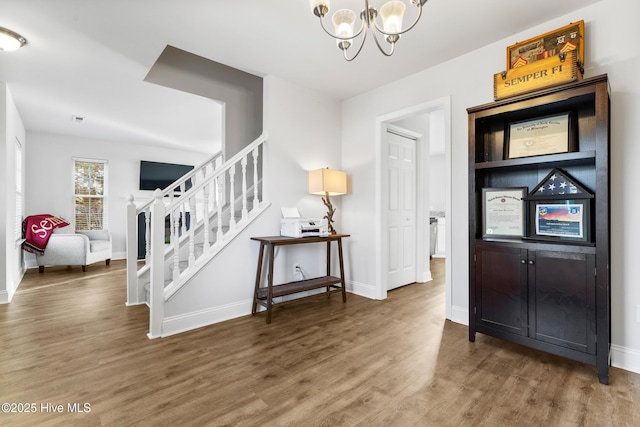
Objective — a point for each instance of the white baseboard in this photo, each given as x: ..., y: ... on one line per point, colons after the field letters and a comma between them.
x: 426, y: 277
x: 362, y: 289
x: 625, y: 358
x: 5, y: 297
x: 460, y: 315
x: 198, y: 319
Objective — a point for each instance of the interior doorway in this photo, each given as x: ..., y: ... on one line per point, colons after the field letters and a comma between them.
x: 418, y: 121
x: 399, y: 185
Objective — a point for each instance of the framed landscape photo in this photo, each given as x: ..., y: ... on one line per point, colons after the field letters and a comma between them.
x: 540, y: 136
x: 503, y: 212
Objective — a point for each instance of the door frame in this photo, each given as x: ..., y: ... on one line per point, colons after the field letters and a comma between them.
x: 380, y: 215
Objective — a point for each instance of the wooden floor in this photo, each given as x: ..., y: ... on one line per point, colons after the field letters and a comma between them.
x: 67, y: 338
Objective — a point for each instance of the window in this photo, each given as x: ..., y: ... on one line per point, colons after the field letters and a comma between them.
x: 90, y: 191
x: 19, y: 213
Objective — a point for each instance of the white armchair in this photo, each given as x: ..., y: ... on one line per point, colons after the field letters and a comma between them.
x: 82, y: 248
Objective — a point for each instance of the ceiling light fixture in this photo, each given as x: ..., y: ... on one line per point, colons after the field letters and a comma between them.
x: 391, y: 14
x: 10, y: 41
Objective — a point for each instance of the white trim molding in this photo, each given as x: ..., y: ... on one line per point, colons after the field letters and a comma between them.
x: 173, y: 325
x: 362, y: 289
x: 625, y: 358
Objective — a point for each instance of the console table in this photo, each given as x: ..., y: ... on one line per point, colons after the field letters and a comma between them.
x: 265, y: 295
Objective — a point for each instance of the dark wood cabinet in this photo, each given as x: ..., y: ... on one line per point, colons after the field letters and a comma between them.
x: 550, y: 295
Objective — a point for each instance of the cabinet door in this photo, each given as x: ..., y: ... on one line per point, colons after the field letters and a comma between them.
x: 501, y: 289
x: 562, y: 299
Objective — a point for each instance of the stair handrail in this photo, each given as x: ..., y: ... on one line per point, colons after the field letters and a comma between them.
x: 177, y: 183
x: 228, y: 164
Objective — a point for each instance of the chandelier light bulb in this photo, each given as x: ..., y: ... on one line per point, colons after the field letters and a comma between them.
x: 391, y: 14
x: 343, y: 21
x: 319, y: 7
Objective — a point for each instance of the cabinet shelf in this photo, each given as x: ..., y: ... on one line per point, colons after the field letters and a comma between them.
x: 551, y: 160
x: 539, y: 245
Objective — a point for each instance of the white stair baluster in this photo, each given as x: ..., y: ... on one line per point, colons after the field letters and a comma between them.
x: 232, y: 196
x: 245, y: 212
x: 192, y: 235
x: 147, y: 235
x: 183, y: 208
x: 175, y: 241
x: 256, y: 200
x: 219, y: 235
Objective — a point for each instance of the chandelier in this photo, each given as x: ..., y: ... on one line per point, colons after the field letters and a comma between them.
x: 391, y: 15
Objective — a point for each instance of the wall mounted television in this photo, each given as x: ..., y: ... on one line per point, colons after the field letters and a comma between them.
x: 160, y: 175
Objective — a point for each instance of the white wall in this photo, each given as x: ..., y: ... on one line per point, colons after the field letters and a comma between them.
x: 303, y: 130
x: 11, y: 259
x: 468, y: 81
x: 49, y: 182
x: 437, y: 171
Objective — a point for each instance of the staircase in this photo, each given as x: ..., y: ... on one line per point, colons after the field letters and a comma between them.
x: 189, y: 223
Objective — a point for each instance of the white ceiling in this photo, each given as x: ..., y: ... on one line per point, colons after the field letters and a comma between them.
x: 89, y: 57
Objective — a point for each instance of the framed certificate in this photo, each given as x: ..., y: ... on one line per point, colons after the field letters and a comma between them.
x: 544, y: 135
x: 503, y: 212
x: 563, y: 220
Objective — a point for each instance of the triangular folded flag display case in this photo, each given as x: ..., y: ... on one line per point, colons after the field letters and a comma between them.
x: 559, y: 185
x: 560, y: 210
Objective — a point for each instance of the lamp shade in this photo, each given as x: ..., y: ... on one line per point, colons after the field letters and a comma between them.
x: 322, y: 181
x: 391, y: 14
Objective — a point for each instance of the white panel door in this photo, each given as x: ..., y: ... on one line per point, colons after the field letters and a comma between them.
x: 401, y: 210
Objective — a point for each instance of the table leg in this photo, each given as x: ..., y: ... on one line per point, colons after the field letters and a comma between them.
x: 270, y: 284
x: 328, y: 265
x: 254, y: 307
x: 344, y: 290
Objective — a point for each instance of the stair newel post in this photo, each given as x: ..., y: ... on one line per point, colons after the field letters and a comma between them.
x: 256, y: 200
x: 207, y: 226
x: 245, y: 212
x: 156, y: 289
x: 220, y: 195
x: 175, y: 242
x: 192, y: 226
x: 232, y: 197
x: 132, y: 250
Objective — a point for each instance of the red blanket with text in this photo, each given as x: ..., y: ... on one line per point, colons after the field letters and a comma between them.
x: 36, y: 230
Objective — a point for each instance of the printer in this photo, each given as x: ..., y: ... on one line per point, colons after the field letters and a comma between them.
x: 292, y: 225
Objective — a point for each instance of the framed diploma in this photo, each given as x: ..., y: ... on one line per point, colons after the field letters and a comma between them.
x: 544, y: 135
x: 503, y: 212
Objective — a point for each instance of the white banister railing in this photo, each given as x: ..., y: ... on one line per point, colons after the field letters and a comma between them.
x: 179, y: 227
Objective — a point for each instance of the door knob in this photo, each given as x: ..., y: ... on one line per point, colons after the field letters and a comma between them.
x: 531, y: 262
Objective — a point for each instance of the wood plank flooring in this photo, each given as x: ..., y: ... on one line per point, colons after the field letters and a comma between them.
x: 68, y: 338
